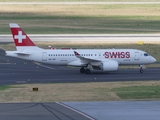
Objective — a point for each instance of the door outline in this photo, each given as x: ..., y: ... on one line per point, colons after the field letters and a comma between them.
x: 136, y: 55
x: 44, y: 56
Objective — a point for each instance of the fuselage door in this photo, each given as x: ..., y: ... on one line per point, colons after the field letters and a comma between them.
x: 44, y: 56
x: 136, y: 55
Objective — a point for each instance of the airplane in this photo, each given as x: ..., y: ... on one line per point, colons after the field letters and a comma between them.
x: 87, y: 59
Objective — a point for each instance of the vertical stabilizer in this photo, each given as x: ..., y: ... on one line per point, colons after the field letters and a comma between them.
x: 21, y: 40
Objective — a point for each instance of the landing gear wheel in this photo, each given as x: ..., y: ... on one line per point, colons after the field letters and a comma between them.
x: 88, y: 71
x: 82, y: 70
x: 141, y: 70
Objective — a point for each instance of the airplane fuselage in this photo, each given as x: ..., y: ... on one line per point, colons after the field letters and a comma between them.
x: 66, y: 57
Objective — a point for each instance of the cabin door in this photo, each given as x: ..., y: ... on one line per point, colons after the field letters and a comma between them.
x: 44, y: 56
x: 136, y: 56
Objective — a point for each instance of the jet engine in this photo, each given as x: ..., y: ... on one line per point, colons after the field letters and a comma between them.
x: 109, y: 66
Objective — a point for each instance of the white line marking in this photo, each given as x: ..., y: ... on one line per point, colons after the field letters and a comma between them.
x: 21, y: 82
x: 75, y: 110
x: 44, y: 66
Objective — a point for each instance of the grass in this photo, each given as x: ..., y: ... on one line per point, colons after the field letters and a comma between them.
x: 77, y: 19
x: 4, y: 87
x: 81, y: 19
x: 138, y: 92
x: 79, y: 0
x: 97, y: 91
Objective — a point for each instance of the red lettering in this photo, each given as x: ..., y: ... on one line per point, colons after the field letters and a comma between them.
x: 113, y: 54
x: 117, y: 54
x: 122, y: 55
x: 127, y: 54
x: 106, y: 55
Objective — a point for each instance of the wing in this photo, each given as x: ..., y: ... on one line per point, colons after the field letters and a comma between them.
x: 85, y: 58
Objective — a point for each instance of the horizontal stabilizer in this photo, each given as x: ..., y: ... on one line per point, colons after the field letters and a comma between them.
x: 22, y: 53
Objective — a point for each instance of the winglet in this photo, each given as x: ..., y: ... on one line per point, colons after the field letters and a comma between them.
x: 76, y: 53
x: 19, y: 36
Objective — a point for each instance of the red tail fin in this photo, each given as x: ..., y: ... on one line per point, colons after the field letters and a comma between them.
x: 19, y: 36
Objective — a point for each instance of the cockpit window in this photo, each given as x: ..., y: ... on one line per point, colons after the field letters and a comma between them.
x: 146, y: 54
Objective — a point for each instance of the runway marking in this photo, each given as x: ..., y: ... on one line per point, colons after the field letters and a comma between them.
x: 44, y: 66
x: 21, y: 82
x: 66, y: 106
x: 6, y: 63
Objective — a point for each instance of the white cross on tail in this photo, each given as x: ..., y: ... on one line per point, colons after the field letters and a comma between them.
x: 20, y: 37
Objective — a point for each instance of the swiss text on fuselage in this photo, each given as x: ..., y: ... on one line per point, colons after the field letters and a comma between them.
x: 117, y: 54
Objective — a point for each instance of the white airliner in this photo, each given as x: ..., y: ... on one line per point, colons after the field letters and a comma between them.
x: 88, y: 59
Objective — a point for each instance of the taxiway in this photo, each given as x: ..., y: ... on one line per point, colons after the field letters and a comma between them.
x: 16, y: 71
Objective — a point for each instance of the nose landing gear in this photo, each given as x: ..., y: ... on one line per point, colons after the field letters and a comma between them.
x: 141, y: 68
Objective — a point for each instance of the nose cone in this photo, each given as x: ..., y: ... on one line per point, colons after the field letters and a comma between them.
x: 152, y: 60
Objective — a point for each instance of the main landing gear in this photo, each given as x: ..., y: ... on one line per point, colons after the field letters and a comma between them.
x: 141, y: 68
x: 85, y: 70
x: 88, y: 71
x: 82, y: 70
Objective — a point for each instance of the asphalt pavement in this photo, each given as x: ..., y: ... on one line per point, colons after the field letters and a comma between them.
x: 16, y: 71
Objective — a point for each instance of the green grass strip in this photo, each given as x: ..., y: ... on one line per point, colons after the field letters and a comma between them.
x: 138, y: 92
x: 6, y: 87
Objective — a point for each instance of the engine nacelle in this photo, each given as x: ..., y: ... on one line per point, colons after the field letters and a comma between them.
x: 110, y: 65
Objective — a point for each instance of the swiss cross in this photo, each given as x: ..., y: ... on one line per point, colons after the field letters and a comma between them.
x: 20, y: 37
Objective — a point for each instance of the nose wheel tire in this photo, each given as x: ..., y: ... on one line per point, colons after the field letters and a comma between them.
x: 141, y: 70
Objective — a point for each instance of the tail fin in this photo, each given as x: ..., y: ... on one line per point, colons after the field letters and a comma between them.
x: 21, y: 39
